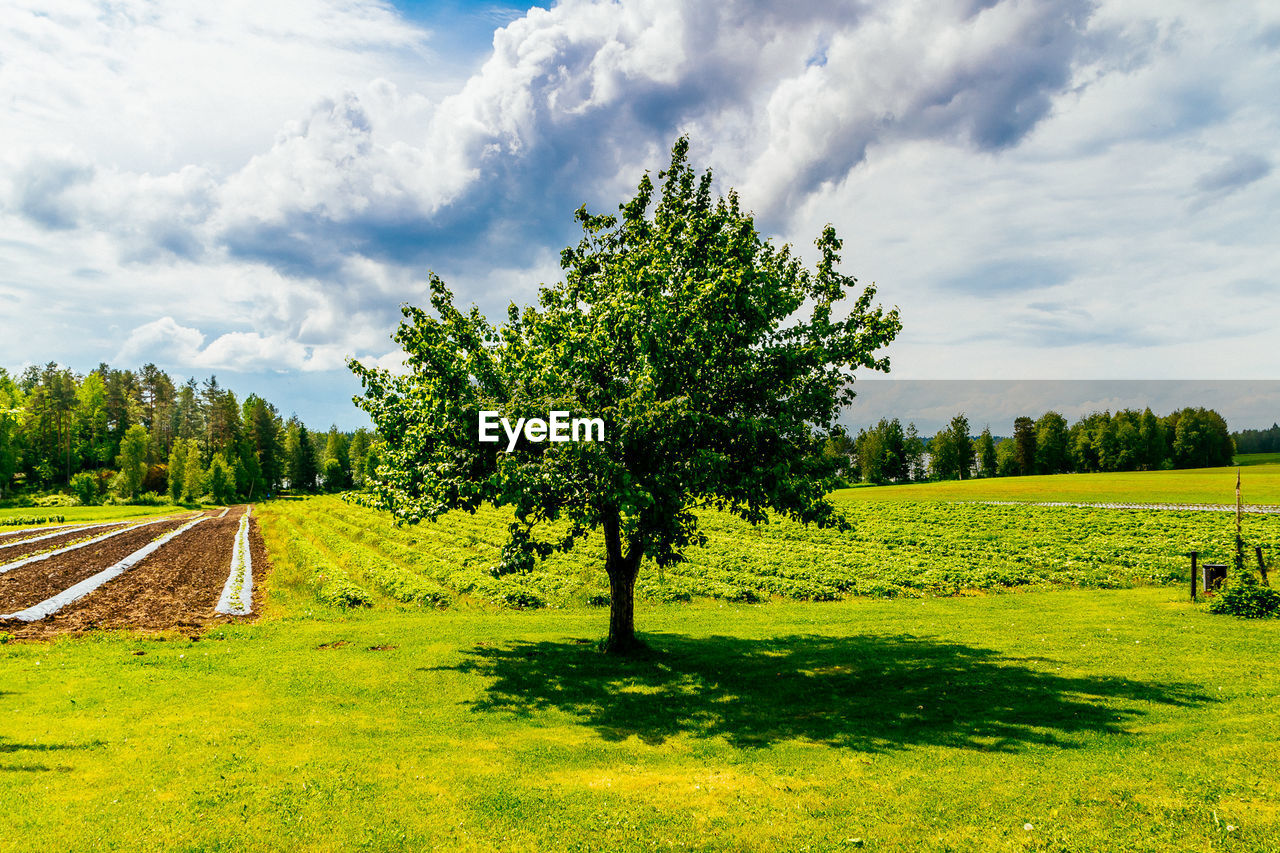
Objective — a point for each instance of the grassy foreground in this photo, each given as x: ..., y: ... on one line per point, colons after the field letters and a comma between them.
x: 1260, y: 482
x: 1104, y: 721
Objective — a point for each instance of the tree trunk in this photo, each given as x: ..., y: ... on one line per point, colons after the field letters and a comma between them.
x: 622, y: 569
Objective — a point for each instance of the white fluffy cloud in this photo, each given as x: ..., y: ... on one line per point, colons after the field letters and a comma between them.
x: 166, y: 341
x: 257, y: 186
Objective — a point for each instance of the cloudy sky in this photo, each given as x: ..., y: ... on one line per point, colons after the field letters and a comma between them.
x: 1046, y: 189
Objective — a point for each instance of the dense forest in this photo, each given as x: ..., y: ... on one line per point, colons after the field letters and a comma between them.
x: 1126, y: 440
x: 1258, y: 440
x: 137, y: 436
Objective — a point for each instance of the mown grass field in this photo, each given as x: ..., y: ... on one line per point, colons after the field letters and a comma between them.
x: 86, y: 514
x: 1245, y: 459
x: 1260, y: 484
x: 348, y: 554
x: 1124, y: 720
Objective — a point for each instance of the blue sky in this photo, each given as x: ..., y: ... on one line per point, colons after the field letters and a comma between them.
x: 1056, y: 190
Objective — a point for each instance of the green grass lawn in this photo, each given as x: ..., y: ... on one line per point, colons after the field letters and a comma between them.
x: 1258, y: 458
x: 1119, y: 720
x: 1260, y: 483
x: 76, y: 514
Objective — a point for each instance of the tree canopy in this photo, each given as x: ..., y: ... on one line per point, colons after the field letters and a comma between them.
x: 952, y: 450
x: 715, y: 359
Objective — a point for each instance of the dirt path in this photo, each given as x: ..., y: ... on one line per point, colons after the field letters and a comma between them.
x: 32, y: 584
x: 12, y: 552
x: 176, y: 587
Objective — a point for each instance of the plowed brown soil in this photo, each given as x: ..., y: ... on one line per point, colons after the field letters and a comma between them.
x: 15, y: 552
x: 32, y: 584
x: 176, y: 587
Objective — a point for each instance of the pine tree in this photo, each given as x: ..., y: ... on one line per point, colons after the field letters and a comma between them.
x: 336, y: 450
x: 1024, y: 444
x: 986, y: 451
x: 261, y: 424
x: 302, y: 460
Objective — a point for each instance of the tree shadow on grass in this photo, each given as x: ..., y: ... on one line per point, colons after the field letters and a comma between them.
x: 868, y: 693
x: 8, y: 746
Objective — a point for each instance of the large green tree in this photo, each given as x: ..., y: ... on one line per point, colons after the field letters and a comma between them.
x: 882, y: 453
x: 300, y: 457
x: 193, y: 474
x: 951, y: 453
x: 1201, y: 439
x: 335, y: 465
x: 177, y: 470
x: 1024, y: 444
x: 222, y: 480
x: 715, y: 359
x: 985, y: 452
x: 10, y: 424
x: 359, y: 452
x: 132, y: 461
x: 263, y: 429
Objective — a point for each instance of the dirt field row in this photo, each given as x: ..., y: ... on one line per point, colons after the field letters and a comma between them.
x: 177, y: 586
x: 14, y: 550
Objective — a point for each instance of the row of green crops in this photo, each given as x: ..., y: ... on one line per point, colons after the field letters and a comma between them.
x: 30, y: 520
x: 355, y: 556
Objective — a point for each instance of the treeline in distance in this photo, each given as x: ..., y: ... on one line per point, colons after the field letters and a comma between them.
x: 137, y: 436
x: 1258, y: 440
x: 1127, y: 440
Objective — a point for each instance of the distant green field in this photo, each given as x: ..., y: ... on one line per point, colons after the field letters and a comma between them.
x: 1260, y: 483
x: 74, y: 514
x: 1258, y: 459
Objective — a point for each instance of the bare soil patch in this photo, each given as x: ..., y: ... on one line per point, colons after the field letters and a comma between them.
x: 177, y: 587
x: 29, y: 585
x: 13, y: 553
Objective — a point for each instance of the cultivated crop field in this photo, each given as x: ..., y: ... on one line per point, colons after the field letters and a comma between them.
x: 348, y: 555
x: 155, y: 573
